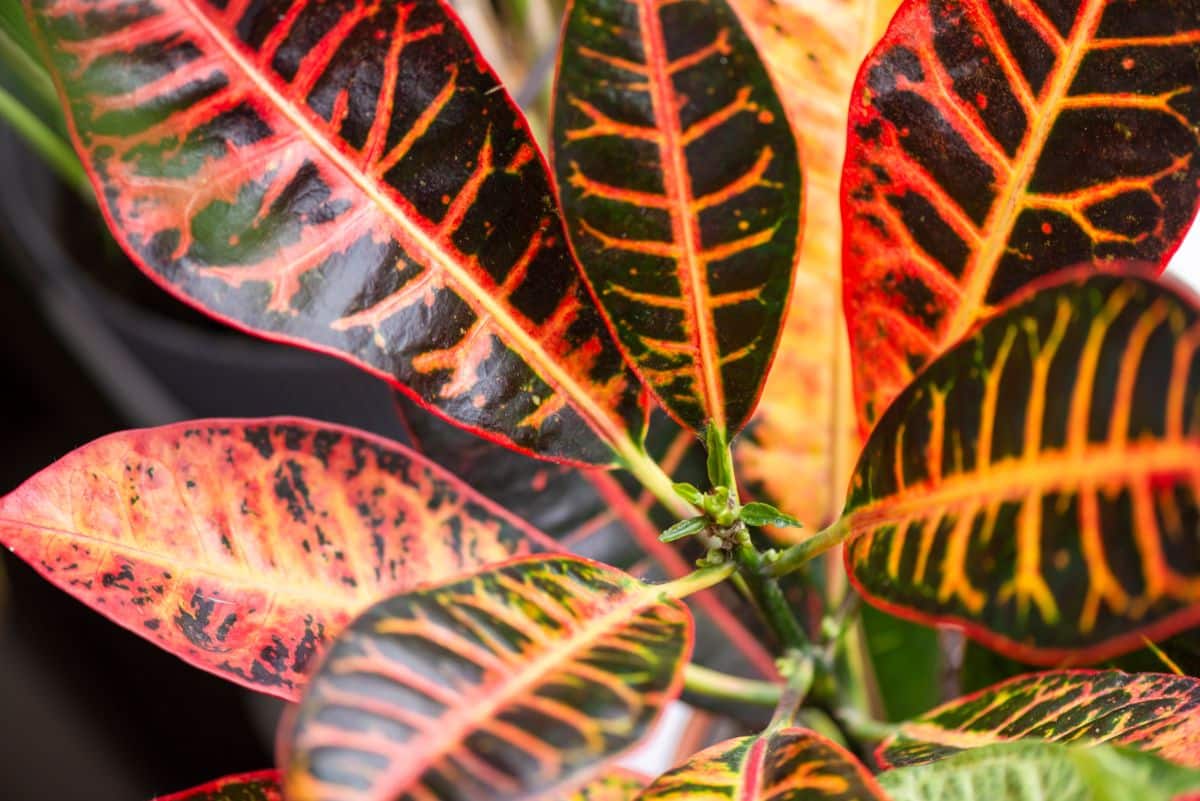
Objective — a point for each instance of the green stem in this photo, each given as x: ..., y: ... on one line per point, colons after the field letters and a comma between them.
x: 651, y: 476
x: 703, y: 681
x: 800, y: 673
x: 800, y: 553
x: 49, y: 145
x: 696, y: 581
x: 864, y: 728
x: 768, y: 595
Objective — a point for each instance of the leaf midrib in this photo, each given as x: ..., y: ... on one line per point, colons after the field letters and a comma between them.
x: 999, y: 226
x: 596, y: 417
x: 1020, y: 478
x: 678, y: 185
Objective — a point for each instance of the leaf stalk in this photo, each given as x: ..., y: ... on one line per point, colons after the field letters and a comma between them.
x: 714, y: 684
x: 803, y: 552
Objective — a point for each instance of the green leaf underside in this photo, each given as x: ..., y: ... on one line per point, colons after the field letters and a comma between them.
x: 1157, y: 713
x: 351, y: 178
x: 1042, y: 772
x: 680, y: 182
x: 257, y: 786
x: 684, y: 528
x: 244, y: 546
x: 514, y: 682
x: 790, y: 765
x: 764, y: 514
x: 1038, y: 484
x: 993, y: 142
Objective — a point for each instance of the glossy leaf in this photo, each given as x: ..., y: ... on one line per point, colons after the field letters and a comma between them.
x: 800, y: 447
x: 1042, y: 772
x: 262, y: 785
x: 1038, y: 483
x: 1154, y: 712
x: 348, y: 177
x: 789, y: 765
x: 680, y: 182
x: 243, y: 546
x: 995, y: 141
x: 511, y: 683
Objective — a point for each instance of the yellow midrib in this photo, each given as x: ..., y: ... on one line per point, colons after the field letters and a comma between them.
x: 675, y: 174
x: 1017, y: 478
x: 597, y: 418
x: 1000, y: 222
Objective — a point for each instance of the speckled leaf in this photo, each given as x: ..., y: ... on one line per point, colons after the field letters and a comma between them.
x: 1039, y: 484
x: 618, y: 785
x: 996, y: 141
x: 517, y: 682
x: 242, y: 546
x: 680, y: 182
x: 1154, y: 712
x: 262, y: 785
x: 800, y: 446
x: 350, y: 177
x: 789, y: 765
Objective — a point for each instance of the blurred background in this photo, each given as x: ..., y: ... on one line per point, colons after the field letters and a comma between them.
x: 91, y: 347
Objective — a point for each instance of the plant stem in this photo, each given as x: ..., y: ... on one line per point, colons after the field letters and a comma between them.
x: 49, y: 145
x: 799, y: 672
x: 651, y: 476
x: 814, y: 546
x: 864, y: 728
x: 768, y: 595
x: 696, y: 581
x: 703, y: 681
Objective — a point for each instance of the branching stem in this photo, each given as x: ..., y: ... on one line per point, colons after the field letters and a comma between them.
x: 697, y: 580
x: 801, y: 553
x: 711, y: 683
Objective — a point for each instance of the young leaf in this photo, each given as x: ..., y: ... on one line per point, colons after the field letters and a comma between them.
x: 684, y: 528
x: 349, y: 177
x: 995, y: 142
x: 1037, y: 484
x: 681, y: 186
x: 1042, y: 772
x: 242, y: 546
x: 511, y: 683
x: 689, y: 493
x: 799, y: 449
x: 262, y: 785
x: 789, y: 765
x: 1151, y: 712
x: 764, y: 514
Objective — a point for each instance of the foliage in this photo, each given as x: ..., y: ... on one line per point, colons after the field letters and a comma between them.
x: 353, y: 177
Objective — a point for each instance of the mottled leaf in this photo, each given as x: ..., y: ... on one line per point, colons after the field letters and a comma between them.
x: 680, y: 183
x: 1154, y: 712
x: 788, y: 765
x: 617, y: 785
x: 799, y: 449
x: 512, y: 683
x: 1042, y: 772
x: 995, y: 141
x: 262, y: 785
x: 349, y: 177
x: 242, y: 546
x: 1039, y: 483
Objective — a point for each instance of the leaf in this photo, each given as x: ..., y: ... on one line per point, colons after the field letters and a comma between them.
x: 511, y: 683
x: 684, y: 528
x: 800, y: 447
x: 906, y: 662
x: 763, y: 514
x: 1032, y: 771
x: 680, y: 183
x: 1038, y: 483
x: 1152, y: 712
x: 243, y: 546
x: 351, y: 178
x: 995, y: 142
x: 688, y: 492
x: 790, y: 765
x: 261, y: 785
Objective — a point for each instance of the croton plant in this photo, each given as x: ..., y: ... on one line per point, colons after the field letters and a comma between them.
x: 1022, y: 392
